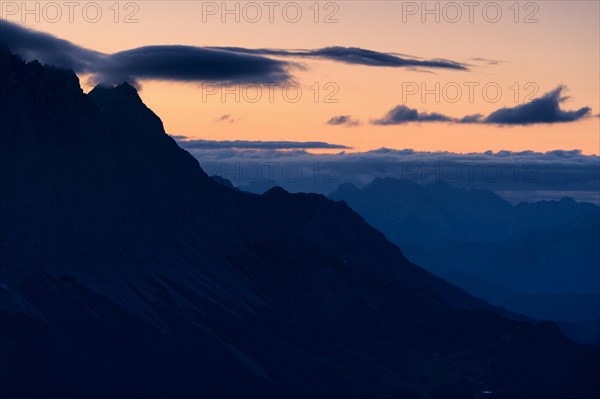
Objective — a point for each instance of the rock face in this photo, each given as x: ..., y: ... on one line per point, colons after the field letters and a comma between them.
x: 125, y: 271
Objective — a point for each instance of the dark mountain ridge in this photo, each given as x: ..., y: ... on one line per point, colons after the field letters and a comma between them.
x: 125, y: 271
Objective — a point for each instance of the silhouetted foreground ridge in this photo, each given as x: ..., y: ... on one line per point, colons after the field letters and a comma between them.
x: 127, y: 273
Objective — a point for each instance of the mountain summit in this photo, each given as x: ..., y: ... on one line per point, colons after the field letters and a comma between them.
x: 125, y: 271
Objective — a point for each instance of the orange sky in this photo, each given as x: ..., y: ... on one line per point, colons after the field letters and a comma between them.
x: 563, y: 47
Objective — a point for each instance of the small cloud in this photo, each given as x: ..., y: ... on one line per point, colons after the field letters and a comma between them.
x: 226, y: 118
x: 343, y: 120
x: 475, y: 118
x: 545, y: 109
x: 402, y: 114
x: 487, y: 61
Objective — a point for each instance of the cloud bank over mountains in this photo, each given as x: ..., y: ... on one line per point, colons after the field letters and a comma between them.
x: 516, y: 175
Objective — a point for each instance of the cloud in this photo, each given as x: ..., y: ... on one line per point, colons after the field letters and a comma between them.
x: 343, y: 120
x: 192, y: 64
x: 357, y: 56
x: 42, y: 46
x: 545, y: 109
x: 172, y: 63
x: 261, y: 145
x: 487, y: 61
x: 475, y: 118
x: 402, y: 114
x: 226, y: 118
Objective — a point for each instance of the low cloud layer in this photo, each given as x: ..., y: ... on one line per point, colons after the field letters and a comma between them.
x: 545, y: 109
x: 261, y: 145
x: 517, y: 176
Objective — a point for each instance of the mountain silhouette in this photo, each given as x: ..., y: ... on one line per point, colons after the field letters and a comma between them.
x: 127, y: 272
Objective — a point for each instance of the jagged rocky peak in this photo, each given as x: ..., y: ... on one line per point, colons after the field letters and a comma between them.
x: 8, y: 61
x: 47, y: 120
x: 40, y: 105
x: 45, y: 80
x: 123, y: 93
x: 123, y: 107
x: 48, y: 83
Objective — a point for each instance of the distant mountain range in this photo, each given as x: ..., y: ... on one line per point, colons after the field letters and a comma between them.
x: 126, y: 272
x: 540, y: 259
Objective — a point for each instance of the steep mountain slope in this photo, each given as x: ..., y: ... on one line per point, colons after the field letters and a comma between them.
x: 125, y: 271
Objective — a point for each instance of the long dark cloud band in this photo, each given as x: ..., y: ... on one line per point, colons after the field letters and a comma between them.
x: 177, y: 63
x: 356, y: 56
x: 192, y: 63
